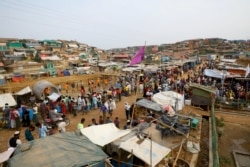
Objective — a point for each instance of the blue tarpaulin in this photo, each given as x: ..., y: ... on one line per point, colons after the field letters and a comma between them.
x: 66, y: 73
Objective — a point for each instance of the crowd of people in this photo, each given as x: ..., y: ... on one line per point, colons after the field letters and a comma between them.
x: 103, y: 94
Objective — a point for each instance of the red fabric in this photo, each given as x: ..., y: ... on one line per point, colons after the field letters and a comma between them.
x: 17, y: 78
x: 63, y: 107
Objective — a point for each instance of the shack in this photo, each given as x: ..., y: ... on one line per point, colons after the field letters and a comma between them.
x: 202, y: 95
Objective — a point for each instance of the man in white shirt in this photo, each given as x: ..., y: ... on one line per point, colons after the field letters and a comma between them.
x: 127, y: 109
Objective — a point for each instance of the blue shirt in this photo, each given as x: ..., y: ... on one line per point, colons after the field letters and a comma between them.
x: 42, y: 131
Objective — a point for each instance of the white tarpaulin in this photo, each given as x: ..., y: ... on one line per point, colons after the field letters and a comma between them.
x: 103, y: 134
x: 219, y: 74
x: 54, y: 96
x: 143, y: 150
x: 52, y: 58
x: 23, y: 91
x: 4, y: 156
x: 169, y: 98
x: 7, y: 98
x: 213, y: 73
x: 228, y: 60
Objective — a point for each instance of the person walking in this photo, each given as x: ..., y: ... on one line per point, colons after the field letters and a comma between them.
x: 111, y: 106
x: 104, y: 110
x: 117, y: 122
x: 127, y: 110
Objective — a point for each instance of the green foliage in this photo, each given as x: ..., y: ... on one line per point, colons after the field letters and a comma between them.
x: 224, y: 161
x: 219, y: 133
x: 219, y: 122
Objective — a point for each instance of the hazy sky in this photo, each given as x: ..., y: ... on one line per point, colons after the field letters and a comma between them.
x: 110, y: 24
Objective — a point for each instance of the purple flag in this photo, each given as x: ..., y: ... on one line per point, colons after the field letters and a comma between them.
x: 138, y: 57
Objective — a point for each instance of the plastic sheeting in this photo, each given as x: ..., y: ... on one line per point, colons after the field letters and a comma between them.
x: 4, y: 156
x: 7, y: 98
x: 52, y: 58
x: 62, y: 149
x: 53, y: 96
x: 149, y: 105
x: 24, y: 91
x: 144, y: 151
x: 218, y: 74
x: 103, y: 134
x: 170, y: 98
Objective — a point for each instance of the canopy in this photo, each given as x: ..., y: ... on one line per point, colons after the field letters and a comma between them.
x: 54, y: 96
x: 62, y: 149
x: 219, y: 74
x: 103, y: 134
x: 169, y: 98
x: 4, y: 156
x: 143, y: 150
x: 23, y: 91
x: 149, y: 105
x: 40, y: 86
x: 228, y: 60
x: 7, y: 98
x: 214, y: 73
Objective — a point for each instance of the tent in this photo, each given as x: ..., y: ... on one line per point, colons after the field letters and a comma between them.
x: 7, y: 98
x: 169, y: 98
x: 62, y: 149
x: 24, y: 91
x: 103, y: 134
x: 149, y: 105
x: 40, y: 86
x: 145, y: 150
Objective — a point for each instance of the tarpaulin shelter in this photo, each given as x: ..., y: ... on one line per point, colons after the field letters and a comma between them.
x: 66, y: 72
x: 103, y: 134
x: 149, y: 105
x: 169, y: 98
x: 7, y: 98
x: 144, y: 151
x: 202, y: 95
x: 69, y: 149
x: 23, y: 95
x: 214, y: 73
x: 17, y: 77
x: 24, y: 91
x: 39, y: 88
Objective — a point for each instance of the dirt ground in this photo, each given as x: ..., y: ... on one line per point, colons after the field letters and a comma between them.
x: 5, y: 134
x: 234, y: 137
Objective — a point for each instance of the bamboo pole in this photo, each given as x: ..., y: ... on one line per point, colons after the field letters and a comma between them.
x: 136, y: 93
x: 178, y: 154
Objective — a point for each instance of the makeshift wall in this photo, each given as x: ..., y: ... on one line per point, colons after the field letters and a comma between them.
x: 40, y: 86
